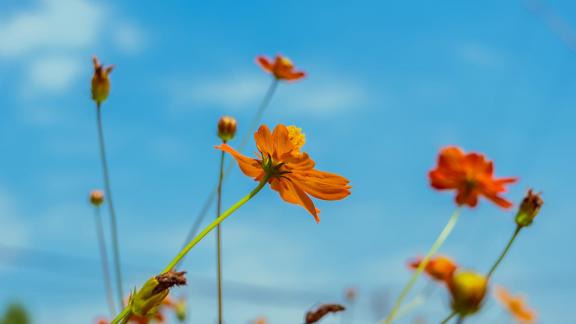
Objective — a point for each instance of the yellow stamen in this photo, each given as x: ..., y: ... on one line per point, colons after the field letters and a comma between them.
x: 284, y: 61
x: 296, y: 136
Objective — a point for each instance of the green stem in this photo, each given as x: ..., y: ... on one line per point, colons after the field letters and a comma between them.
x: 439, y: 241
x: 215, y: 223
x: 460, y: 319
x: 219, y: 238
x: 244, y: 141
x: 104, y: 260
x: 503, y: 254
x: 447, y: 319
x: 111, y: 210
x: 126, y: 312
x: 123, y: 317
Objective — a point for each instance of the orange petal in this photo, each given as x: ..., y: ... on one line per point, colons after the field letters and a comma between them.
x: 264, y: 140
x: 281, y: 140
x: 250, y: 167
x: 265, y: 63
x: 293, y: 194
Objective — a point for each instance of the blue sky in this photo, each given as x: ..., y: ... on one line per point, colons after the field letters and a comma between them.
x: 389, y: 84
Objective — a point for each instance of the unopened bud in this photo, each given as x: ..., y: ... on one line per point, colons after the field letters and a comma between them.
x: 529, y: 208
x: 226, y: 128
x: 100, y: 81
x: 467, y: 290
x: 180, y: 310
x: 96, y: 197
x: 146, y: 301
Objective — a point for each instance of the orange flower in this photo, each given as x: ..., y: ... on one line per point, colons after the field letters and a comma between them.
x: 440, y: 268
x: 260, y: 320
x: 282, y: 68
x: 515, y: 305
x: 471, y: 175
x: 290, y: 171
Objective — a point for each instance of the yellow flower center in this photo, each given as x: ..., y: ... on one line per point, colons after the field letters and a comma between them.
x: 284, y: 61
x: 296, y: 137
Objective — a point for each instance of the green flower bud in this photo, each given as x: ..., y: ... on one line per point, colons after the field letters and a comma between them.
x: 529, y: 208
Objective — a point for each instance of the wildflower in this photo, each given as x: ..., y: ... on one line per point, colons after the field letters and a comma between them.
x: 515, y: 305
x: 320, y: 312
x: 146, y: 301
x: 100, y: 81
x: 467, y: 290
x: 282, y: 68
x: 471, y: 175
x: 439, y: 268
x: 529, y: 208
x: 96, y: 197
x: 226, y: 128
x: 290, y: 171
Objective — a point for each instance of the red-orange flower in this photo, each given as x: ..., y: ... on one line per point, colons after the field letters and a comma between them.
x: 471, y: 175
x: 515, y: 305
x: 290, y: 171
x: 439, y: 268
x: 281, y: 68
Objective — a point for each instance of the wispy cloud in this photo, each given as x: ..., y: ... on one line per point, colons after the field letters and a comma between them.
x: 53, y: 73
x: 310, y: 97
x: 129, y: 38
x: 12, y: 230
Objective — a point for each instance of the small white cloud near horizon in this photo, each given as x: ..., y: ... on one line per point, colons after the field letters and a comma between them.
x: 315, y: 98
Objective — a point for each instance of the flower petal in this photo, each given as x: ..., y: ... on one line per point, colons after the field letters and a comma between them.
x: 250, y: 167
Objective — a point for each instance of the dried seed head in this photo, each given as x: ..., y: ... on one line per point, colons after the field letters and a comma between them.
x: 529, y: 208
x: 100, y: 81
x: 146, y: 301
x: 320, y: 312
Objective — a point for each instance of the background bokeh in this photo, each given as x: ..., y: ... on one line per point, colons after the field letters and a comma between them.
x: 389, y: 84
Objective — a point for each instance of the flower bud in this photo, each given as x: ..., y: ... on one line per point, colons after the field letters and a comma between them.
x: 226, y: 128
x: 467, y: 290
x: 146, y: 301
x: 180, y: 310
x: 351, y: 294
x: 529, y: 208
x: 96, y: 197
x: 100, y: 81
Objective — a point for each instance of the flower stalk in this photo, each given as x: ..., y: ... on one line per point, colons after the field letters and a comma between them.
x: 111, y: 210
x: 104, y: 259
x: 219, y: 238
x: 504, y: 252
x: 437, y: 244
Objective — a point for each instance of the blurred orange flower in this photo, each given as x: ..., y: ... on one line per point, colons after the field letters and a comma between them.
x: 439, y: 268
x: 282, y: 68
x: 291, y: 171
x: 515, y: 305
x: 471, y: 175
x: 260, y: 320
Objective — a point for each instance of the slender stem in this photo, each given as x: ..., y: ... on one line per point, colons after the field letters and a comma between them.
x: 244, y: 141
x: 460, y: 319
x: 503, y: 254
x: 104, y: 260
x: 417, y: 301
x: 215, y: 223
x: 210, y: 227
x: 111, y: 210
x: 122, y: 317
x: 447, y: 319
x: 219, y: 238
x: 439, y: 241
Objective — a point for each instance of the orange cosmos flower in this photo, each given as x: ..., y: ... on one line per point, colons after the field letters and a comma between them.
x: 515, y: 305
x: 471, y: 175
x: 281, y: 68
x: 290, y: 171
x: 439, y: 268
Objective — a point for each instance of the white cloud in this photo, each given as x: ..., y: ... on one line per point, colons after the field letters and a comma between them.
x: 55, y: 24
x: 53, y: 73
x: 128, y: 38
x: 313, y: 97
